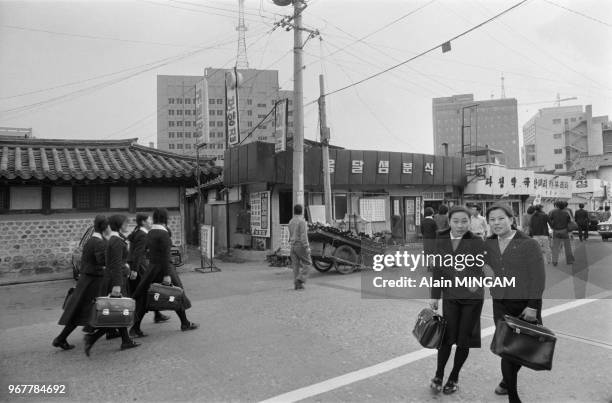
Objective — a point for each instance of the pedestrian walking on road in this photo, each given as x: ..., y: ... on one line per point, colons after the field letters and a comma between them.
x: 79, y: 305
x: 538, y: 227
x: 429, y: 231
x: 559, y: 222
x: 161, y: 270
x: 300, y: 248
x: 478, y: 224
x: 581, y: 216
x: 137, y: 257
x: 526, y: 220
x: 115, y: 279
x: 512, y: 254
x: 461, y: 305
x: 441, y: 218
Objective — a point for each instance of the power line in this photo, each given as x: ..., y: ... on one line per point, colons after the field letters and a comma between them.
x: 579, y: 13
x: 429, y: 50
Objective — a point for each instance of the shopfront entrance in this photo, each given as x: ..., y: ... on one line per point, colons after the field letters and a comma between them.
x: 405, y: 217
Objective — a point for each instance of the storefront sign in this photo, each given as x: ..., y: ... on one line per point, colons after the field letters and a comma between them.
x: 231, y: 111
x: 207, y: 241
x: 280, y: 125
x: 260, y: 214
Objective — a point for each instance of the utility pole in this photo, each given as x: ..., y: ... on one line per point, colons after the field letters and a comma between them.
x: 298, y: 107
x: 325, y: 150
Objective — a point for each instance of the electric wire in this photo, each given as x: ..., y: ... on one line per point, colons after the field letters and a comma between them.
x: 579, y: 13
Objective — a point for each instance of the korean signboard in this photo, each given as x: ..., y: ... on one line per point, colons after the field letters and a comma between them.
x: 260, y: 214
x: 280, y: 125
x: 231, y: 109
x: 207, y: 241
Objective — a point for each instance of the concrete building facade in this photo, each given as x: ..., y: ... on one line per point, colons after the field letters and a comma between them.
x: 191, y: 109
x: 492, y: 123
x: 554, y: 137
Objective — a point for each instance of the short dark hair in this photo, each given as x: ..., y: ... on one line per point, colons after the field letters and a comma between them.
x: 428, y: 211
x: 443, y: 209
x: 160, y: 216
x: 531, y: 210
x: 539, y: 207
x: 141, y: 218
x: 116, y: 221
x: 100, y: 223
x: 458, y: 209
x: 501, y: 206
x: 298, y: 209
x: 581, y: 205
x: 607, y: 208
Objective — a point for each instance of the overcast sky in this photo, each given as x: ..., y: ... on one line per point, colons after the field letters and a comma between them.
x: 88, y: 69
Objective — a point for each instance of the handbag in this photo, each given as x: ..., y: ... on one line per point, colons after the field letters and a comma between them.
x: 162, y: 297
x: 429, y: 328
x: 113, y: 312
x: 528, y: 344
x: 67, y: 298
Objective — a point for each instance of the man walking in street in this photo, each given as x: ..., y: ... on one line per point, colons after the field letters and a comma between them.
x: 581, y: 216
x: 607, y: 214
x: 300, y: 249
x: 538, y: 227
x: 559, y: 222
x: 478, y: 224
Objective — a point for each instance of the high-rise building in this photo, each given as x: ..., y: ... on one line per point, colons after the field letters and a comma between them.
x: 554, y: 137
x: 492, y: 123
x: 180, y: 125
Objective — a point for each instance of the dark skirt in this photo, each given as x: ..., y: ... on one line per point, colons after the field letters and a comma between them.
x: 462, y: 322
x: 79, y: 305
x: 154, y: 275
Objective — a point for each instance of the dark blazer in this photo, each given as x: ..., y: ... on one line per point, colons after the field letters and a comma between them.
x: 582, y: 217
x: 538, y: 224
x: 470, y: 244
x: 94, y: 257
x: 522, y: 259
x: 136, y: 255
x: 559, y: 219
x: 429, y: 230
x: 116, y: 272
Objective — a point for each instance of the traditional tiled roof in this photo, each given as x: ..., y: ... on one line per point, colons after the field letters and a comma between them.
x: 70, y: 160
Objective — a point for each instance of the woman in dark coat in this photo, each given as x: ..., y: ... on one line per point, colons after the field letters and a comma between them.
x: 79, y: 305
x: 115, y: 279
x: 158, y: 245
x: 461, y: 305
x: 511, y: 253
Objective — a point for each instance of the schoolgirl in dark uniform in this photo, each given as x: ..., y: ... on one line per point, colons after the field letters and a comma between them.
x: 461, y: 306
x: 158, y: 245
x: 115, y: 278
x: 79, y: 305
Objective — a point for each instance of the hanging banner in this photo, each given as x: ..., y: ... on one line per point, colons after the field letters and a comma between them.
x: 260, y: 214
x: 280, y: 125
x: 207, y: 241
x: 231, y: 108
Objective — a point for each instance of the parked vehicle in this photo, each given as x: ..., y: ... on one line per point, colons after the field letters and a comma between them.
x: 176, y: 257
x: 605, y: 230
x: 593, y: 220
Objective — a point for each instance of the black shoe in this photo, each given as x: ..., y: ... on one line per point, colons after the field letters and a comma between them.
x: 450, y: 387
x: 130, y: 344
x: 555, y: 263
x: 190, y: 326
x: 88, y: 344
x: 136, y: 333
x: 299, y: 285
x: 88, y: 329
x: 436, y: 384
x: 112, y: 334
x: 501, y: 389
x: 161, y: 318
x: 63, y: 344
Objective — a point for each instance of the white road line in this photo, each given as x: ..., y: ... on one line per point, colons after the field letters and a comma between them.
x: 397, y: 362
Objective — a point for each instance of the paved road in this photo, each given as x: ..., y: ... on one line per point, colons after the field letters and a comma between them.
x: 260, y: 339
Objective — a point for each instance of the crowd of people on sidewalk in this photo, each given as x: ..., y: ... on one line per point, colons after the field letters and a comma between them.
x: 119, y: 265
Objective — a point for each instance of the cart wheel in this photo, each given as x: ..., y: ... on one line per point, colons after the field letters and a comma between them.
x: 321, y: 265
x: 345, y: 252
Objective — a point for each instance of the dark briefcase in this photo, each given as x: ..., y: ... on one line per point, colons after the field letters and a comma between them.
x: 162, y: 297
x: 429, y: 328
x: 525, y: 343
x: 113, y: 312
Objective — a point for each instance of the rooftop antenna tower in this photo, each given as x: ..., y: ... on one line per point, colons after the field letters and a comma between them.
x: 503, y: 88
x: 241, y: 57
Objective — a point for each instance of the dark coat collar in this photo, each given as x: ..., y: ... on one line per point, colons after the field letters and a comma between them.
x: 519, y: 235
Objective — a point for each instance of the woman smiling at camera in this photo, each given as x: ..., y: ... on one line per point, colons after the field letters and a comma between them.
x: 513, y: 254
x: 461, y: 305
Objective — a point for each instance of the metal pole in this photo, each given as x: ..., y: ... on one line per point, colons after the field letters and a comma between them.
x: 298, y: 108
x: 225, y: 163
x: 325, y: 151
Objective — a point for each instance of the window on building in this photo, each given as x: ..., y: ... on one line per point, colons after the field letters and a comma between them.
x: 188, y: 123
x: 219, y: 124
x: 261, y: 116
x: 290, y: 124
x: 566, y: 121
x: 187, y: 101
x: 194, y: 100
x: 263, y: 127
x: 170, y: 146
x: 211, y: 101
x: 261, y: 105
x: 340, y: 206
x: 188, y: 135
x: 556, y: 121
x: 91, y: 197
x: 211, y: 113
x: 179, y: 146
x: 249, y: 124
x: 558, y: 166
x: 249, y: 112
x: 193, y: 122
x: 290, y: 113
x: 170, y: 135
x: 188, y: 146
x: 211, y: 124
x: 170, y: 123
x: 170, y: 112
x: 558, y: 151
x: 179, y: 112
x: 194, y: 112
x: 220, y: 112
x: 170, y: 100
x: 179, y: 101
x: 179, y: 123
x: 249, y: 101
x: 5, y: 199
x: 188, y: 112
x: 179, y: 135
x: 557, y: 135
x: 219, y: 101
